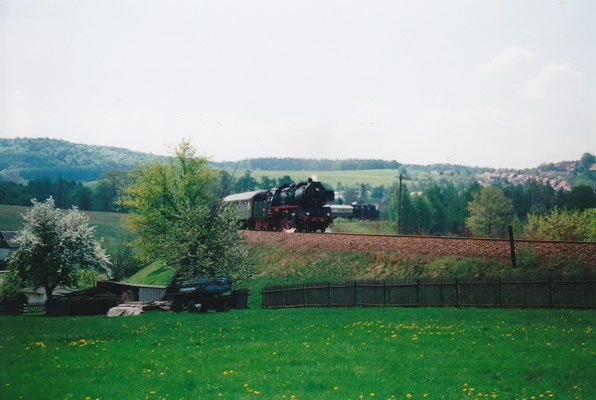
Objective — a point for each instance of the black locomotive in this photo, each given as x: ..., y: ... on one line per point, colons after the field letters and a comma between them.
x: 299, y: 206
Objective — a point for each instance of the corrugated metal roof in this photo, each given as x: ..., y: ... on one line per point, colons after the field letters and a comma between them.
x: 100, y: 283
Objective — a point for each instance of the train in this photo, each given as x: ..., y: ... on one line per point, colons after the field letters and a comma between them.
x: 355, y: 211
x: 302, y: 207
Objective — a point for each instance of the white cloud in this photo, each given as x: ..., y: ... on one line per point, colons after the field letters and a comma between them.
x: 554, y: 80
x: 509, y: 59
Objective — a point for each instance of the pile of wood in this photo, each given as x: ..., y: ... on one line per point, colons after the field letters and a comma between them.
x: 137, y: 308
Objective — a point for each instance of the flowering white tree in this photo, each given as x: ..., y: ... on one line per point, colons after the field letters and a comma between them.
x: 55, y: 247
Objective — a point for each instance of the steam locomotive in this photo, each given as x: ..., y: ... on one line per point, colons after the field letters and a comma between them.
x: 299, y: 206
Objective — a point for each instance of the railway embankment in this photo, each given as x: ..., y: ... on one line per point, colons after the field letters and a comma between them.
x: 551, y: 252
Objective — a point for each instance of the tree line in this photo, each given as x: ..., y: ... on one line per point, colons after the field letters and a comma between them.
x: 488, y: 211
x: 99, y: 196
x: 103, y: 194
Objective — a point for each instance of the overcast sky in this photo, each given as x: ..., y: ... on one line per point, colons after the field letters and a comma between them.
x: 481, y: 83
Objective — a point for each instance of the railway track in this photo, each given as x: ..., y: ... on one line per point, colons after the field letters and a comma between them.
x: 460, y: 238
x: 437, y: 246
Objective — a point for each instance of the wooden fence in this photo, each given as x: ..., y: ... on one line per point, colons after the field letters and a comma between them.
x: 513, y: 291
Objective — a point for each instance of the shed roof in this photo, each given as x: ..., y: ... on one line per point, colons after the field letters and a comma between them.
x: 41, y: 290
x: 126, y: 284
x: 7, y: 240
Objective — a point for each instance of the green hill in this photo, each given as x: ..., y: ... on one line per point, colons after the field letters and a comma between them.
x: 26, y: 159
x: 23, y: 159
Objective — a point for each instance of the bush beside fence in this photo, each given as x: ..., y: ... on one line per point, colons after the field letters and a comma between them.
x: 512, y: 291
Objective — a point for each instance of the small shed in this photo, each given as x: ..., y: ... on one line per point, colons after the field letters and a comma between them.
x: 138, y: 292
x: 7, y: 244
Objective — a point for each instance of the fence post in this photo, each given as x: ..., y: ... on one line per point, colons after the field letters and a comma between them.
x: 512, y: 247
x: 550, y: 290
x: 456, y: 292
x: 418, y: 292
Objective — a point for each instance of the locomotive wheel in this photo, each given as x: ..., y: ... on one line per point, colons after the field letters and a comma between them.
x: 287, y: 225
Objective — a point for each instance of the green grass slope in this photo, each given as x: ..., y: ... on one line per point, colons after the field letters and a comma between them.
x: 155, y: 273
x: 363, y: 226
x: 11, y: 217
x: 276, y: 264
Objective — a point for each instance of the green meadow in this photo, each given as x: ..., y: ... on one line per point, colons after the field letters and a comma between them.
x: 335, y: 353
x: 372, y: 177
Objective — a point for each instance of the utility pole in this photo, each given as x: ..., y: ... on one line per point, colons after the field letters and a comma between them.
x: 399, y: 208
x: 362, y: 201
x: 512, y: 247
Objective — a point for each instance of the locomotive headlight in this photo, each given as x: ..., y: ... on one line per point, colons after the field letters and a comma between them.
x: 307, y: 213
x: 328, y: 214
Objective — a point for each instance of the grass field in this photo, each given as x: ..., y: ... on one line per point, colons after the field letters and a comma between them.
x: 363, y: 226
x: 373, y: 177
x: 153, y: 274
x: 401, y: 353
